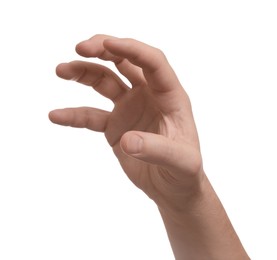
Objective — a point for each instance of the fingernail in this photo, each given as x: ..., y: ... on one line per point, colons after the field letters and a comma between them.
x: 134, y: 144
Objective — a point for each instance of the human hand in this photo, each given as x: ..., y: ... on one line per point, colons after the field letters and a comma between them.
x: 151, y: 128
x: 152, y: 132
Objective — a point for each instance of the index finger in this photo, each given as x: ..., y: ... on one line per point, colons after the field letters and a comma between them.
x: 157, y: 71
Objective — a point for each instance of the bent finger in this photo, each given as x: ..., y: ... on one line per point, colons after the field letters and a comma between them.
x: 94, y: 48
x: 155, y: 66
x: 102, y: 79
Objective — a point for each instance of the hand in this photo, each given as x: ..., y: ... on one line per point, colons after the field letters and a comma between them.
x: 152, y: 132
x: 151, y: 128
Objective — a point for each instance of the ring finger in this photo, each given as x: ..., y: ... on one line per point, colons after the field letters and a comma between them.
x: 102, y: 79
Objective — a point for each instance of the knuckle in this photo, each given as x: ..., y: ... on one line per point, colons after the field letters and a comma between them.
x: 160, y: 55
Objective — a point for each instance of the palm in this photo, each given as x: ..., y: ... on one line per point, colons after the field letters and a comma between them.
x: 135, y: 111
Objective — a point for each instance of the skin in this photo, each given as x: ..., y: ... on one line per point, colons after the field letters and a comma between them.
x: 153, y: 134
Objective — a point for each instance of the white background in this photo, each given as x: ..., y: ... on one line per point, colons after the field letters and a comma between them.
x: 63, y: 194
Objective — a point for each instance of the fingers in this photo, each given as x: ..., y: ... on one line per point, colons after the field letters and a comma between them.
x: 82, y: 117
x: 142, y: 65
x: 102, y: 79
x: 165, y: 87
x: 94, y: 48
x: 159, y: 150
x: 155, y: 66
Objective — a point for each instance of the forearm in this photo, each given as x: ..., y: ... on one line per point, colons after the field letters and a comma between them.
x: 203, y: 230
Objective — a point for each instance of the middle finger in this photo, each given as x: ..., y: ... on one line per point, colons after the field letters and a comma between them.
x: 94, y: 48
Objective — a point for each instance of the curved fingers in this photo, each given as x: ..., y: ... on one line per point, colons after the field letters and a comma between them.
x: 156, y: 68
x: 102, y: 79
x: 165, y: 88
x: 94, y: 48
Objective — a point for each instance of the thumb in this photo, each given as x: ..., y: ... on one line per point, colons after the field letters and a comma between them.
x: 159, y: 150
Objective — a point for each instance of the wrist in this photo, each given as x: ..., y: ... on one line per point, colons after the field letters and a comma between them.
x: 188, y: 200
